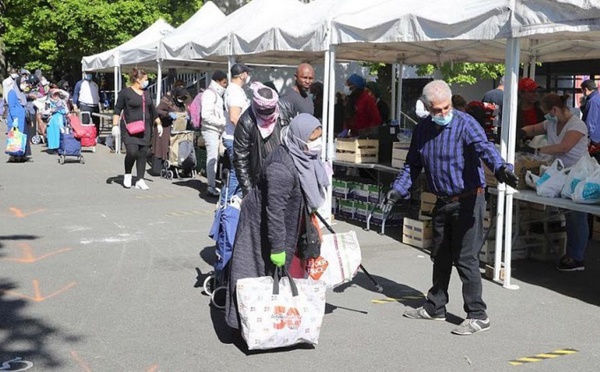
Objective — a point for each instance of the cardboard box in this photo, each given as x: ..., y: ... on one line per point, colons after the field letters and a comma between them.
x: 362, y: 211
x: 428, y: 201
x: 357, y: 150
x: 488, y: 252
x: 489, y: 272
x: 551, y: 248
x: 417, y: 233
x: 342, y: 189
x: 375, y: 194
x: 347, y: 208
x: 398, y: 163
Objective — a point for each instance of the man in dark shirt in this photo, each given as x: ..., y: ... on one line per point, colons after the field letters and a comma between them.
x: 450, y: 145
x: 298, y: 95
x: 495, y: 96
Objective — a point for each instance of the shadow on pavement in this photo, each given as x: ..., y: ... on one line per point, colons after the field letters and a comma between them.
x: 22, y: 335
x: 582, y: 285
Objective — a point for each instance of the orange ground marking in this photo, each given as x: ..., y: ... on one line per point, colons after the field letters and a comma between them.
x: 29, y: 257
x: 37, y: 294
x: 80, y: 361
x: 19, y: 213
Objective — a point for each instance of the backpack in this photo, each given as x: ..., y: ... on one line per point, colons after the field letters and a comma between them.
x: 195, y: 109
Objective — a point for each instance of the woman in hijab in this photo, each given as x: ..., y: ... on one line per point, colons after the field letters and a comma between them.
x: 293, y: 177
x: 257, y: 134
x: 17, y: 102
x: 171, y: 109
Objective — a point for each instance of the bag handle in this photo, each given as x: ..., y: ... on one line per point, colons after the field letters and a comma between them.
x: 281, y: 271
x: 327, y: 226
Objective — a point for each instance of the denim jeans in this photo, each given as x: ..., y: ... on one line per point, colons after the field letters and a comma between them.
x: 234, y: 188
x: 577, y: 234
x: 457, y: 239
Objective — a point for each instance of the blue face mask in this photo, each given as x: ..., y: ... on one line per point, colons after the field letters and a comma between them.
x: 144, y: 84
x: 551, y: 118
x: 88, y: 76
x: 443, y: 120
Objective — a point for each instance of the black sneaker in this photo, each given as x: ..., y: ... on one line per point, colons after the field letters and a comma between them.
x: 569, y: 264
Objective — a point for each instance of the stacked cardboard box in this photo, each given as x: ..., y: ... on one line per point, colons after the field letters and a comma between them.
x: 428, y: 201
x: 417, y: 233
x: 519, y: 250
x: 522, y: 164
x: 357, y: 150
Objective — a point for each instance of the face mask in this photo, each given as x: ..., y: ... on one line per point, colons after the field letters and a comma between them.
x: 144, y: 84
x: 179, y: 100
x: 315, y: 147
x: 311, y: 96
x: 347, y: 90
x: 247, y: 80
x: 24, y: 87
x: 443, y: 120
x: 14, y: 76
x: 88, y: 77
x: 551, y: 118
x: 220, y: 90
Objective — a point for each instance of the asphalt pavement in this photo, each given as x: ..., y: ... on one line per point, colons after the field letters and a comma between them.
x: 94, y: 277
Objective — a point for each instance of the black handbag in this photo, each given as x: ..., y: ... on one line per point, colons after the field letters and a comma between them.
x: 309, y: 243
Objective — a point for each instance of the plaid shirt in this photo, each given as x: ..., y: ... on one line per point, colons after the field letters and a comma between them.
x: 451, y: 156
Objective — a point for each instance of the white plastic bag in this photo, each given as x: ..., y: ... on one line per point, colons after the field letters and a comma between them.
x: 339, y: 260
x: 588, y: 190
x: 280, y: 312
x: 531, y: 179
x: 552, y: 181
x: 583, y: 168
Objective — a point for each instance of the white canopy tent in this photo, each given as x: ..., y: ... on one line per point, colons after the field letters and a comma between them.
x: 136, y: 51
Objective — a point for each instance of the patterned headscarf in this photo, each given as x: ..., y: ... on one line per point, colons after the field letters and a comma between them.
x: 266, y: 110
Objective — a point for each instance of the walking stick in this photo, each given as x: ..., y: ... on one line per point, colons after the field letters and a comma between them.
x: 377, y: 285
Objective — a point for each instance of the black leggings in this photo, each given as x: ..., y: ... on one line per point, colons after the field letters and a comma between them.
x: 135, y: 153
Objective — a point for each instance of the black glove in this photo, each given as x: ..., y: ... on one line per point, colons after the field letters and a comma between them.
x: 391, y: 198
x: 508, y: 177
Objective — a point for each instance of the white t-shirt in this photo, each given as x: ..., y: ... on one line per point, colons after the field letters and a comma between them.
x: 554, y: 138
x: 234, y: 97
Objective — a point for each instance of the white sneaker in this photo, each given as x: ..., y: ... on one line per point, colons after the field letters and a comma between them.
x: 141, y: 184
x: 127, y: 181
x: 214, y: 191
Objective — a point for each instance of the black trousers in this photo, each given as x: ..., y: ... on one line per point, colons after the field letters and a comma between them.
x: 136, y: 154
x: 457, y: 239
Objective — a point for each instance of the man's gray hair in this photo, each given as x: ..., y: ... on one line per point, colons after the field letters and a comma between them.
x: 436, y: 91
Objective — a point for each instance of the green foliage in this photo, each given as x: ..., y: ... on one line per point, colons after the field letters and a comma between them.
x: 464, y: 73
x: 54, y: 35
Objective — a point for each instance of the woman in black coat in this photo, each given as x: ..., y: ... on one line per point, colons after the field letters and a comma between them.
x: 135, y: 104
x: 292, y: 177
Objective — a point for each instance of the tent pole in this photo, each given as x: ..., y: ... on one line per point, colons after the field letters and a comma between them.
x: 393, y: 98
x: 532, y: 66
x: 400, y: 70
x: 116, y: 84
x: 329, y: 123
x: 159, y: 82
x: 525, y: 70
x: 509, y: 122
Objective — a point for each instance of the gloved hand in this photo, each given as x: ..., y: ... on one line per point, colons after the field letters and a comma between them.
x: 173, y: 115
x: 116, y: 131
x: 278, y: 259
x: 508, y: 177
x: 391, y: 198
x: 159, y: 129
x: 343, y: 134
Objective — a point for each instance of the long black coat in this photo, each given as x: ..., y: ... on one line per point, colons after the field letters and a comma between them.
x: 269, y: 223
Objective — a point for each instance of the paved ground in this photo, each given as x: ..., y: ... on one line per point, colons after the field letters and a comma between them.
x: 98, y: 278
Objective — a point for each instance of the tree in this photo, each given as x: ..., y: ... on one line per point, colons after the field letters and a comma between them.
x: 53, y: 35
x: 464, y: 72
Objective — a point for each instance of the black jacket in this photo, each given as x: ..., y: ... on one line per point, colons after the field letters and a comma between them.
x: 250, y: 149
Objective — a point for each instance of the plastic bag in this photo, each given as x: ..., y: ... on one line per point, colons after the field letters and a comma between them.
x: 16, y: 142
x: 588, y: 190
x: 531, y: 180
x: 552, y: 181
x: 339, y: 260
x: 583, y: 168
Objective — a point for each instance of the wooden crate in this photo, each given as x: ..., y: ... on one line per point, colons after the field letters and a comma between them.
x: 357, y: 150
x: 397, y: 163
x: 399, y: 152
x: 428, y: 201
